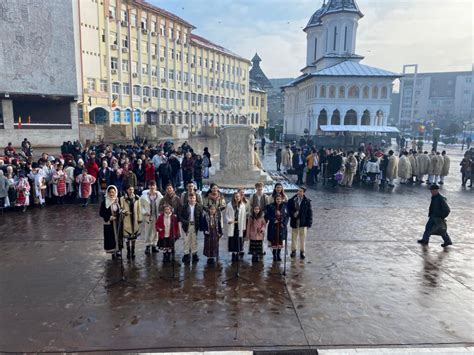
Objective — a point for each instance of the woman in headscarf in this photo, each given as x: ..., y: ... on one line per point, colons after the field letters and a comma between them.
x: 110, y: 212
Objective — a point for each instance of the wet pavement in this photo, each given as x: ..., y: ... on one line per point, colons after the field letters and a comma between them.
x: 365, y: 282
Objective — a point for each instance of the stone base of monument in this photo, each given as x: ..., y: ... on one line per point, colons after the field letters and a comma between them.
x: 240, y: 179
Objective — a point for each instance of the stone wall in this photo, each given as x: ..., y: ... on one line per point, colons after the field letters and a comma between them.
x: 91, y: 132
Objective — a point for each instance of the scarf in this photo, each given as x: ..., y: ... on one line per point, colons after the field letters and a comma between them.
x: 110, y: 201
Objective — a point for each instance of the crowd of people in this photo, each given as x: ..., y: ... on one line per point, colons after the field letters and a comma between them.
x: 163, y: 219
x: 369, y: 165
x: 82, y: 174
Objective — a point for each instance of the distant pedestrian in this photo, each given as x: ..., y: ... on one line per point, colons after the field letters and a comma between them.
x: 298, y: 165
x: 438, y: 212
x: 262, y: 144
x: 278, y: 158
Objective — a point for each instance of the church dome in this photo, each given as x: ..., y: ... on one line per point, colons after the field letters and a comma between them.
x: 333, y: 6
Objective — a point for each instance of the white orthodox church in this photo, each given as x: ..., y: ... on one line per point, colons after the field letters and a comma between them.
x: 336, y: 93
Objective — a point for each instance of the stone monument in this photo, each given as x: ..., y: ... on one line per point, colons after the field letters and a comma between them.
x: 237, y: 159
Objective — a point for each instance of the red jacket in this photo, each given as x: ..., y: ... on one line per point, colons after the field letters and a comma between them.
x: 149, y: 172
x: 174, y: 227
x: 92, y: 168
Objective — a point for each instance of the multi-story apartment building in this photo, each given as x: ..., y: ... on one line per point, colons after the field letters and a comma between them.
x: 434, y: 96
x: 141, y: 64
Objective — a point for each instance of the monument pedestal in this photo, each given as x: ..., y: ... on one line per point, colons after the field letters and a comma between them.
x: 237, y: 160
x: 241, y: 179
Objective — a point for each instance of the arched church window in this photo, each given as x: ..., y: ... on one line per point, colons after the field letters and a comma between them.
x: 316, y: 48
x: 365, y: 92
x: 315, y: 90
x: 342, y: 92
x: 384, y: 93
x: 375, y: 92
x: 332, y: 91
x: 335, y: 39
x: 322, y: 91
x: 345, y: 38
x: 354, y: 92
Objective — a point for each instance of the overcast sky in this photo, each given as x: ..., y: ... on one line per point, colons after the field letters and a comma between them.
x: 436, y: 34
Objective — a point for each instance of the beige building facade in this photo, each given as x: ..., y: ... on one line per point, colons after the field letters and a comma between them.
x: 141, y: 64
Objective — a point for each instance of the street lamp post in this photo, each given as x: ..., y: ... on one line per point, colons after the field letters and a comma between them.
x: 464, y: 126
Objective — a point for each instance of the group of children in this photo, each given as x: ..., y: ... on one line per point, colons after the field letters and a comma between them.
x: 165, y: 219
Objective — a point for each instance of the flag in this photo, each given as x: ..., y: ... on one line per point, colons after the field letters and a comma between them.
x: 19, y: 122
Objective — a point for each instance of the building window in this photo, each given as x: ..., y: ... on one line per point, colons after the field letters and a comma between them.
x: 186, y: 96
x: 153, y: 26
x: 113, y: 38
x: 112, y: 11
x: 136, y: 90
x: 144, y: 68
x: 116, y: 116
x: 126, y: 88
x: 137, y: 116
x: 134, y: 67
x: 354, y: 92
x: 345, y: 38
x: 322, y: 91
x: 126, y: 116
x: 113, y: 63
x: 315, y: 48
x: 384, y: 93
x: 91, y: 84
x: 342, y: 92
x: 134, y: 44
x: 179, y: 95
x: 162, y: 27
x: 171, y: 74
x: 133, y: 19
x: 262, y: 101
x: 144, y: 46
x: 164, y: 93
x: 103, y: 86
x: 172, y: 94
x: 144, y: 21
x: 375, y: 92
x: 154, y: 70
x: 469, y: 80
x: 156, y: 92
x: 365, y: 92
x: 146, y: 91
x: 332, y: 92
x: 335, y: 39
x: 125, y: 41
x: 125, y: 65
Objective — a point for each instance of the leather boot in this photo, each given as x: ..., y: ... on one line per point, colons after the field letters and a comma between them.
x: 279, y: 255
x: 133, y: 251
x: 128, y: 252
x: 274, y: 252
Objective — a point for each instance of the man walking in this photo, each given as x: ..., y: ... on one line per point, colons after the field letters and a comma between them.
x: 298, y: 166
x: 436, y: 224
x: 301, y: 218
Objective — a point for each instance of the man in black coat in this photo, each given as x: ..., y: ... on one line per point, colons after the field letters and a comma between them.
x: 301, y: 218
x: 436, y: 224
x: 298, y: 165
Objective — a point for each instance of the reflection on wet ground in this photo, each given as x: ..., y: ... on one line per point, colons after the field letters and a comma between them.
x: 365, y: 281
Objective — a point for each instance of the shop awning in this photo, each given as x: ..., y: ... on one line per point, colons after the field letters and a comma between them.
x: 359, y: 129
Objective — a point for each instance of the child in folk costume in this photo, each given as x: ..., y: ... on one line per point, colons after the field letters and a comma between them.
x: 212, y: 228
x: 110, y: 212
x: 69, y: 170
x: 59, y: 184
x: 150, y: 203
x: 22, y: 192
x: 235, y: 221
x: 167, y: 228
x: 256, y: 226
x: 85, y: 182
x: 40, y: 186
x: 132, y: 217
x: 277, y: 218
